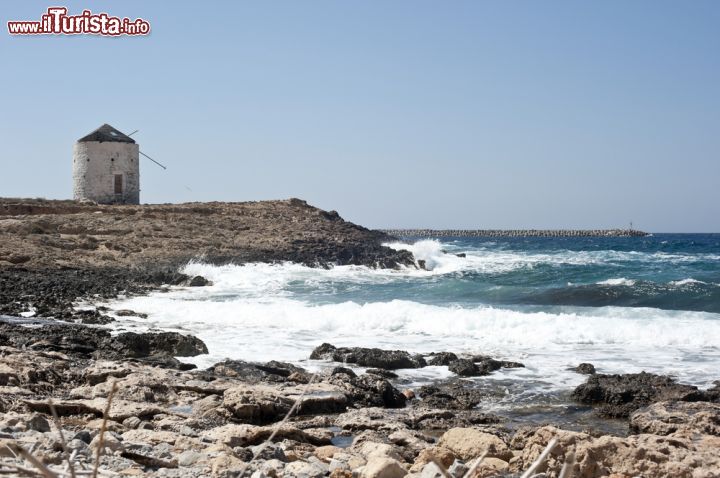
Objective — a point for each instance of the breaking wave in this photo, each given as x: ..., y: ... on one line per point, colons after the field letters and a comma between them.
x: 546, y: 305
x: 620, y: 281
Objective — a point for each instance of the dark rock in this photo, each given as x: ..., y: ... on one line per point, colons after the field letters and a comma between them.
x: 428, y: 419
x: 480, y: 358
x: 131, y: 344
x: 368, y: 357
x: 84, y: 436
x: 479, y: 365
x: 510, y: 364
x: 464, y: 368
x: 199, y: 281
x: 244, y: 454
x: 486, y: 367
x: 323, y: 352
x: 454, y: 395
x: 619, y: 395
x: 272, y: 371
x: 129, y: 313
x: 92, y: 342
x: 421, y: 264
x: 461, y: 254
x: 713, y: 394
x: 38, y: 423
x: 585, y: 369
x: 52, y: 291
x: 367, y: 390
x: 272, y: 451
x: 282, y: 369
x: 343, y: 370
x: 92, y: 317
x: 442, y: 358
x: 382, y: 373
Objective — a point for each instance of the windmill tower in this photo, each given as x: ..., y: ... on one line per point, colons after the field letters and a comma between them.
x: 106, y: 167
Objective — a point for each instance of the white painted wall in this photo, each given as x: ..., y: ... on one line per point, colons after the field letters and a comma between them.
x: 95, y: 165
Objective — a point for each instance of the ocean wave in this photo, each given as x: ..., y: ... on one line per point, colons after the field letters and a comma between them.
x: 618, y: 340
x: 688, y: 281
x: 395, y: 321
x: 441, y: 258
x: 282, y: 311
x: 618, y: 281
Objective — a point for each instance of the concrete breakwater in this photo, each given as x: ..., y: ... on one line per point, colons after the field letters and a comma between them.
x: 515, y: 232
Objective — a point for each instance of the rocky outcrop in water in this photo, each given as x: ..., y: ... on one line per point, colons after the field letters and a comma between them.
x: 90, y: 342
x: 585, y: 369
x: 368, y: 357
x: 479, y: 366
x: 620, y: 395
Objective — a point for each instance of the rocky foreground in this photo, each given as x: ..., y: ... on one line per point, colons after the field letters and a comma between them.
x: 125, y: 403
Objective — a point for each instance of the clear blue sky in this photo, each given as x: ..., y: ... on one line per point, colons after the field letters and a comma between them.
x: 404, y: 113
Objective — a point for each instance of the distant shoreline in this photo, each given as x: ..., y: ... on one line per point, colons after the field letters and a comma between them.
x: 515, y: 232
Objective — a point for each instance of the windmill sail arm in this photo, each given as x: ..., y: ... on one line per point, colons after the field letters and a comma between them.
x: 148, y: 157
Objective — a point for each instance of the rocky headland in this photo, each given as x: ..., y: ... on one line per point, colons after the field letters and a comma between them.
x: 53, y: 252
x: 75, y: 398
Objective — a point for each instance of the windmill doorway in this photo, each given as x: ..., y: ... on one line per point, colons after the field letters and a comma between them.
x: 118, y: 184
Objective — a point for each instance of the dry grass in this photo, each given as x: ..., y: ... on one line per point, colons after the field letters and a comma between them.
x: 103, y: 429
x: 34, y: 467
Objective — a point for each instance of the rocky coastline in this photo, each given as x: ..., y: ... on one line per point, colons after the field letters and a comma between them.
x: 75, y: 398
x: 72, y: 396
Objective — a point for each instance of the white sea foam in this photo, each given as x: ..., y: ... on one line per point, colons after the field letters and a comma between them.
x: 251, y: 312
x: 688, y: 281
x: 618, y: 281
x: 441, y: 259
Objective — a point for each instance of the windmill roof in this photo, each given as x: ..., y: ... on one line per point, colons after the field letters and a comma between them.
x: 106, y: 133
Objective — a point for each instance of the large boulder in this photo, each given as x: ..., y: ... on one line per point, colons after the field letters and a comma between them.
x: 256, y: 403
x: 380, y: 467
x: 585, y: 369
x: 664, y: 418
x: 133, y: 345
x: 619, y: 395
x: 442, y: 358
x: 368, y: 357
x: 251, y: 372
x: 479, y: 365
x: 678, y: 455
x: 367, y: 390
x: 464, y: 368
x: 93, y: 342
x: 470, y: 443
x: 452, y: 395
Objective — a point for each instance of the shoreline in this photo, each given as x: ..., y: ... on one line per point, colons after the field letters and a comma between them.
x: 169, y: 420
x: 229, y: 419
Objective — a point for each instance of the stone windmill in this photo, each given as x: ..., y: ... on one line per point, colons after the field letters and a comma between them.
x: 106, y: 167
